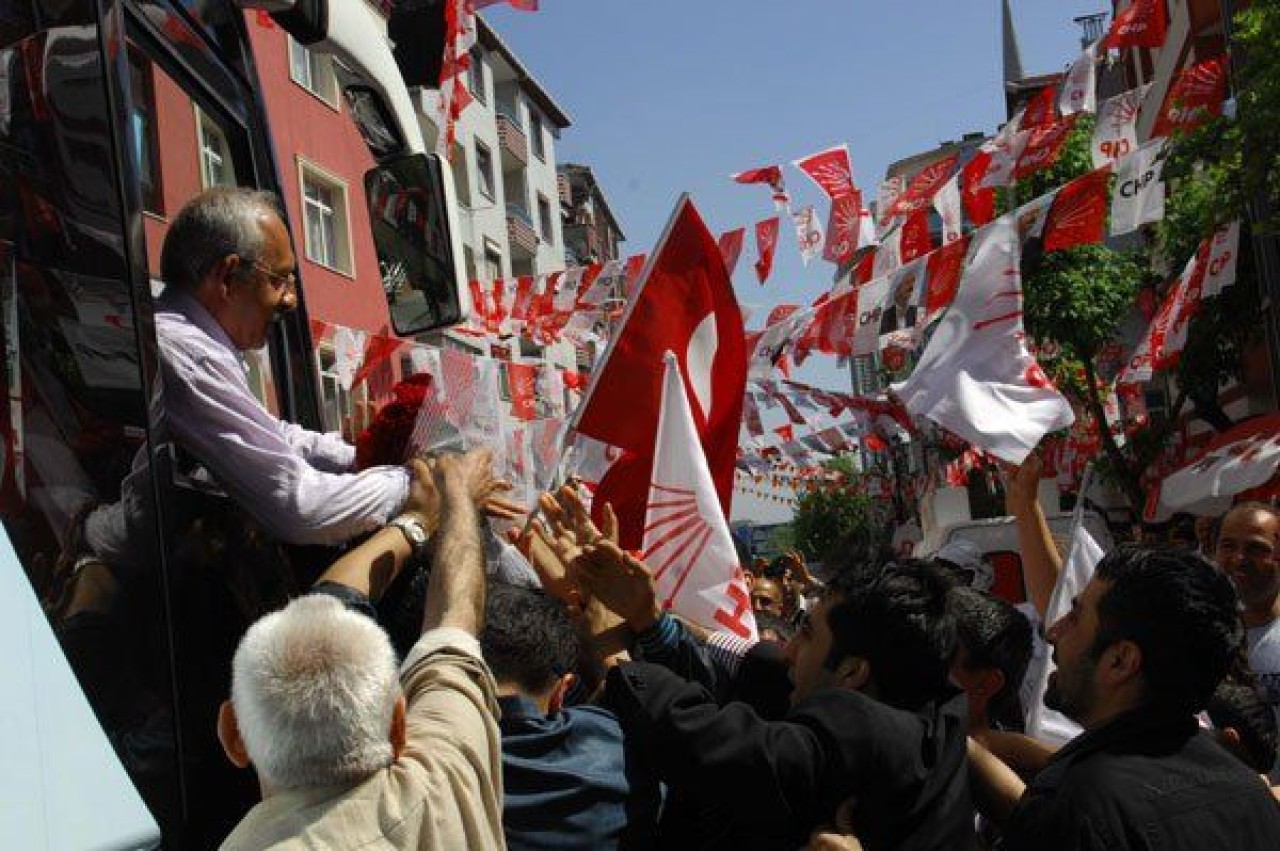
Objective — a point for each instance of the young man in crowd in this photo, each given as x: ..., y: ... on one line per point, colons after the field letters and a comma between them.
x: 1248, y: 552
x: 349, y: 756
x: 1139, y: 654
x: 993, y: 649
x: 569, y: 779
x: 875, y: 729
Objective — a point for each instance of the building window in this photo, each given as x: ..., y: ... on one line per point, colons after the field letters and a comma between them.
x: 535, y: 136
x: 324, y: 209
x: 484, y: 170
x: 215, y: 153
x: 313, y: 72
x: 475, y: 76
x: 492, y: 269
x: 343, y: 410
x: 143, y: 119
x: 544, y: 217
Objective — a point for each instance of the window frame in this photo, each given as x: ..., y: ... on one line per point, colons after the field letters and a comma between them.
x: 536, y: 140
x: 150, y: 167
x: 487, y: 179
x: 340, y: 208
x: 204, y: 123
x: 318, y: 65
x: 475, y: 77
x: 545, y: 224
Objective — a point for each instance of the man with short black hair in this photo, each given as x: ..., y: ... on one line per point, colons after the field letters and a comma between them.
x: 570, y: 782
x: 993, y: 651
x: 875, y: 729
x: 1139, y: 654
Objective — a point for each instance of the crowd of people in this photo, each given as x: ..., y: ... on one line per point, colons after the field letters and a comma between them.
x: 532, y: 693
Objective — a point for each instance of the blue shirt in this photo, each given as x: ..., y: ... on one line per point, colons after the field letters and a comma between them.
x: 570, y: 782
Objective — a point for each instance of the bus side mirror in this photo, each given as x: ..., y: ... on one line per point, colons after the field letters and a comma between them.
x: 415, y: 233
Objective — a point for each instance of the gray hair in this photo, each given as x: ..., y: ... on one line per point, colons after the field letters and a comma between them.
x: 314, y: 686
x: 212, y: 225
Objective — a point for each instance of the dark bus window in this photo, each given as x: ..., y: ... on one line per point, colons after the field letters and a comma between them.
x: 77, y: 498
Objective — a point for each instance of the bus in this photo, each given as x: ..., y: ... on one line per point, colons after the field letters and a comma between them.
x: 128, y: 576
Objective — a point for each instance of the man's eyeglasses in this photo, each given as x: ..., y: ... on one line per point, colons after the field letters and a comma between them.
x: 278, y: 279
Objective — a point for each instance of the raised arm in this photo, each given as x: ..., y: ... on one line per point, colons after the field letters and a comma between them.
x: 1041, y: 563
x: 455, y: 595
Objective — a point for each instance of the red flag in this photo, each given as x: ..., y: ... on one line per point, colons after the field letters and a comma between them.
x: 377, y: 350
x: 829, y: 169
x: 522, y: 382
x: 522, y: 5
x: 916, y: 241
x: 786, y: 432
x: 769, y: 174
x: 1043, y: 146
x: 766, y: 243
x: 1143, y: 23
x: 479, y: 305
x: 1079, y: 212
x: 842, y: 228
x: 1195, y: 95
x: 1042, y: 109
x: 920, y: 191
x: 943, y: 276
x: 866, y: 267
x: 684, y: 305
x: 731, y: 248
x: 499, y: 312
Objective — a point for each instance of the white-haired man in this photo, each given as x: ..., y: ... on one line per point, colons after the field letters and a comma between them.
x: 346, y: 756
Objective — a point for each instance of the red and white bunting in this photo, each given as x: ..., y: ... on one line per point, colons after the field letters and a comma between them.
x: 1143, y: 23
x: 808, y: 233
x: 1139, y: 191
x: 1079, y: 88
x: 943, y: 277
x: 923, y: 186
x: 1245, y: 457
x: 766, y: 245
x: 975, y: 377
x: 1220, y: 271
x: 830, y: 169
x: 1195, y: 96
x: 872, y: 299
x: 916, y: 241
x: 522, y: 380
x: 1041, y: 110
x: 771, y: 175
x: 1030, y: 218
x: 843, y: 229
x: 979, y: 202
x: 1115, y: 133
x: 886, y: 196
x: 730, y: 244
x: 1078, y: 214
x: 1169, y: 329
x: 888, y: 255
x: 1043, y: 146
x: 950, y: 210
x: 1001, y: 158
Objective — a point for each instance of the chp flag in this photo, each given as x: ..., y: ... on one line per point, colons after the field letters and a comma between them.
x: 975, y: 377
x: 1139, y: 194
x: 687, y: 544
x: 683, y: 303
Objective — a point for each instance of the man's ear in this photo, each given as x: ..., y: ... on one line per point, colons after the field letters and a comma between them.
x: 1121, y: 663
x: 224, y: 273
x: 853, y: 673
x: 399, y: 734
x: 990, y: 682
x: 558, y: 693
x: 229, y: 736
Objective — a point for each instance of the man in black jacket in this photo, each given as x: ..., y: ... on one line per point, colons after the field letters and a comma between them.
x: 875, y: 730
x: 1138, y: 655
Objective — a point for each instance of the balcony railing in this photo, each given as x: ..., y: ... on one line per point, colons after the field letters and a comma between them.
x: 511, y: 139
x: 520, y: 230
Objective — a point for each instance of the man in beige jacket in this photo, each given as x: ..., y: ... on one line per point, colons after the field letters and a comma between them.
x: 348, y: 757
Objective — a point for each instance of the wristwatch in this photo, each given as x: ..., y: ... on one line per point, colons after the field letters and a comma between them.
x: 414, y: 531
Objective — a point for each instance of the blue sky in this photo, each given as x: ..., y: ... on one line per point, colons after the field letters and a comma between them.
x: 669, y: 96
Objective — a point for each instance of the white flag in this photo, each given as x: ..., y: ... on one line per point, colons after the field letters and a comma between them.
x: 975, y: 376
x: 808, y: 233
x: 1138, y: 198
x: 1078, y: 92
x: 947, y: 203
x: 872, y: 298
x: 886, y: 194
x: 1224, y: 245
x: 1005, y: 152
x: 1043, y: 723
x: 687, y: 543
x: 348, y: 354
x: 1115, y: 133
x: 1031, y: 216
x: 1244, y: 457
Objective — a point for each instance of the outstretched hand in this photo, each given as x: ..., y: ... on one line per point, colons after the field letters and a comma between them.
x: 1021, y: 482
x: 619, y: 581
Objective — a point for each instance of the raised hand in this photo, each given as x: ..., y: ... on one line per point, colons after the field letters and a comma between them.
x: 619, y: 581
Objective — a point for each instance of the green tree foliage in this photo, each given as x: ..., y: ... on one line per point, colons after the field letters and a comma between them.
x: 826, y: 517
x: 1257, y: 82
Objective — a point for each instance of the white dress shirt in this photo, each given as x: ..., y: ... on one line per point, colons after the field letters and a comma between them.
x: 297, y: 483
